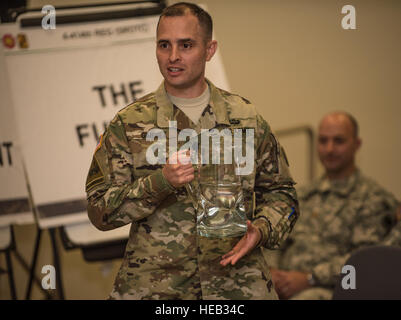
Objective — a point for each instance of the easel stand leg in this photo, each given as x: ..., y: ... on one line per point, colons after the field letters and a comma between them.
x: 35, y: 279
x: 33, y: 265
x: 10, y: 275
x: 25, y: 265
x: 57, y: 265
x: 56, y: 261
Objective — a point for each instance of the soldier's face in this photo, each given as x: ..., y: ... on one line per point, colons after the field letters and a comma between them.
x: 182, y: 53
x: 337, y: 144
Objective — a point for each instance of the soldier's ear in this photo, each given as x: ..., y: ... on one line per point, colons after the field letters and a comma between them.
x: 358, y: 143
x: 211, y: 48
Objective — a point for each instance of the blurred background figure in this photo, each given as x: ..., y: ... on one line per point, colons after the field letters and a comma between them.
x: 342, y: 211
x: 394, y: 238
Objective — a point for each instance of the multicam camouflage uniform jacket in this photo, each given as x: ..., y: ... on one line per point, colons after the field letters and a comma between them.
x: 337, y: 218
x: 164, y: 258
x: 394, y: 238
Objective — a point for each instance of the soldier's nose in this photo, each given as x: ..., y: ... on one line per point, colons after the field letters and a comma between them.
x: 174, y: 55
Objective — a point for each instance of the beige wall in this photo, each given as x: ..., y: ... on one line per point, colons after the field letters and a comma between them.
x: 296, y: 63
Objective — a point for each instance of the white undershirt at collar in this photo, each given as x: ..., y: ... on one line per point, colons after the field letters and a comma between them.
x: 192, y: 107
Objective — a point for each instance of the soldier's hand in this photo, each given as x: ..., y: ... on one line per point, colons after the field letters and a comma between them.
x: 178, y: 169
x: 398, y: 214
x: 247, y: 243
x: 289, y: 283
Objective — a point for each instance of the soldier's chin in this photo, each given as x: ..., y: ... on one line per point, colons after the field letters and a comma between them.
x: 332, y: 166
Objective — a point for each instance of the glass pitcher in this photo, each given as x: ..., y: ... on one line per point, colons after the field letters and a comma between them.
x: 217, y: 196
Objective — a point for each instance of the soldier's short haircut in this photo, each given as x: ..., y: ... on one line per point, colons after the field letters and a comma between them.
x: 354, y: 124
x: 351, y: 119
x: 183, y: 8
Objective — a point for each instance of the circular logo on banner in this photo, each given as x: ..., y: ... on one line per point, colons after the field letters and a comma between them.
x: 8, y: 41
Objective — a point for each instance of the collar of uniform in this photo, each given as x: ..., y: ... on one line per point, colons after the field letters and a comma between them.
x: 218, y: 104
x: 342, y: 187
x: 165, y: 109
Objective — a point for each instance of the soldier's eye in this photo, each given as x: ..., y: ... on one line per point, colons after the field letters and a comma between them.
x: 339, y: 140
x: 187, y: 45
x: 163, y: 45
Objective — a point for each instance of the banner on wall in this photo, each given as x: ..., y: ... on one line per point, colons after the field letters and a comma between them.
x: 14, y: 199
x: 66, y: 85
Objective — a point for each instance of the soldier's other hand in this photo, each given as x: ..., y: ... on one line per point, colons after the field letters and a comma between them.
x: 279, y: 278
x: 244, y: 246
x: 289, y: 283
x: 178, y: 169
x: 276, y: 277
x: 398, y: 214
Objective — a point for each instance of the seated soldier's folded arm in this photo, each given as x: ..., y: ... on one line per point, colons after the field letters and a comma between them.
x: 115, y: 197
x: 276, y: 209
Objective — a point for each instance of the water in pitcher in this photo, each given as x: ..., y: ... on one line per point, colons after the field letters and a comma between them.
x: 221, y: 211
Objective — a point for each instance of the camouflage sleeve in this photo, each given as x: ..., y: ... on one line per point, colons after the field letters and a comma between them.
x: 394, y: 238
x: 115, y: 197
x: 276, y: 209
x: 369, y: 228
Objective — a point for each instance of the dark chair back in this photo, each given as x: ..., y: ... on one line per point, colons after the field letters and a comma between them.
x: 377, y: 275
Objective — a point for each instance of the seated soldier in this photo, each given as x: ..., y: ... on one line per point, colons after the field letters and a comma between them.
x: 394, y: 238
x: 341, y: 212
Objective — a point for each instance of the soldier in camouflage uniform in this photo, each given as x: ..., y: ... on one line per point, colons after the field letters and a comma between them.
x: 341, y: 212
x: 164, y: 257
x: 394, y: 238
